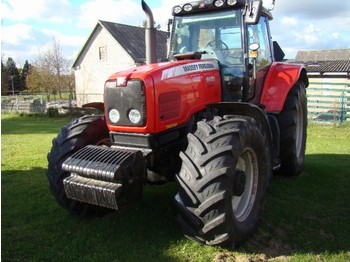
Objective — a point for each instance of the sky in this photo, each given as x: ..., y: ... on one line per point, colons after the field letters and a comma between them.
x: 28, y: 27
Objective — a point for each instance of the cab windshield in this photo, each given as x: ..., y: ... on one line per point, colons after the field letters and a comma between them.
x: 215, y: 35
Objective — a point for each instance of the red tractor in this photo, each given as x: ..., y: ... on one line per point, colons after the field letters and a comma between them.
x: 219, y: 117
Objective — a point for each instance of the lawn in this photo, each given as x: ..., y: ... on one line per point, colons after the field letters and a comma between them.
x: 306, y: 218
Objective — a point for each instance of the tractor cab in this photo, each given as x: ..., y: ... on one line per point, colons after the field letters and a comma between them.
x: 233, y: 32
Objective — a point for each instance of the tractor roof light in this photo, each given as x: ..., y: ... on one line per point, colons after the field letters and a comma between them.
x: 188, y: 7
x: 219, y: 3
x: 177, y: 9
x: 231, y: 2
x: 208, y: 5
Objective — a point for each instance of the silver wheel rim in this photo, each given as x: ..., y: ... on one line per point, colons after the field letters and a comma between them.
x: 242, y: 205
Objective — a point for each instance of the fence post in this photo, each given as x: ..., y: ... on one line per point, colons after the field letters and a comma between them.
x: 43, y: 108
x: 342, y: 108
x: 17, y: 103
x: 70, y: 103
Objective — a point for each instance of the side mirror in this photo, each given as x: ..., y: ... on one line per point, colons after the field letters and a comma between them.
x: 253, y: 53
x: 253, y: 11
x: 253, y: 50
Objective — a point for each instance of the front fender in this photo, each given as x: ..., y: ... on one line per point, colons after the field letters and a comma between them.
x: 279, y: 81
x: 96, y: 105
x: 244, y: 109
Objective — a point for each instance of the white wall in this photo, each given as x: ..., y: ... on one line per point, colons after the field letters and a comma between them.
x: 328, y: 98
x: 91, y: 73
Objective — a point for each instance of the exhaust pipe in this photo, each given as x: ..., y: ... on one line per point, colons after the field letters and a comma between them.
x: 150, y: 41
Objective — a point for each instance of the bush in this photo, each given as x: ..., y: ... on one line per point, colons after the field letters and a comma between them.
x: 52, y: 112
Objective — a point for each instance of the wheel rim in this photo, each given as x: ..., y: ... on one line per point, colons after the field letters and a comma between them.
x: 242, y: 205
x: 299, y: 131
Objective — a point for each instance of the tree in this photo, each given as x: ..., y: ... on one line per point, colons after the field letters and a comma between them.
x: 60, y: 66
x: 69, y: 81
x: 34, y: 82
x: 48, y: 71
x: 40, y: 80
x: 12, y: 77
x: 4, y: 79
x: 24, y: 74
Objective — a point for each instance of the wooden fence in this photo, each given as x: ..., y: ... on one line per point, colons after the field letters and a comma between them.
x: 23, y: 103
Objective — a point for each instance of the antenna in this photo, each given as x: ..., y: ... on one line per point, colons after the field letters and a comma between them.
x: 272, y: 7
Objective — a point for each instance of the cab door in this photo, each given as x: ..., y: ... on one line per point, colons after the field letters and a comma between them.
x: 259, y: 34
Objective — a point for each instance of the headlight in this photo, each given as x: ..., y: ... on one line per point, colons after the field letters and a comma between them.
x: 114, y: 116
x: 135, y: 116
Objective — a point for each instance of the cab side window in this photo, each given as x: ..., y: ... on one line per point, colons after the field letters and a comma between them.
x: 258, y: 34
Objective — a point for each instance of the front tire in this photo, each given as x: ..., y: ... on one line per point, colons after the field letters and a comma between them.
x: 222, y: 182
x: 293, y: 127
x: 87, y: 130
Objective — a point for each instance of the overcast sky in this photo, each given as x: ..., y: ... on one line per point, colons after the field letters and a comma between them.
x: 30, y: 26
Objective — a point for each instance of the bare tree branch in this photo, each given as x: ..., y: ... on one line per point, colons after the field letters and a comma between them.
x: 51, y: 67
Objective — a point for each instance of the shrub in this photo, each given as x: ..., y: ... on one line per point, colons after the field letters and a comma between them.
x: 52, y: 112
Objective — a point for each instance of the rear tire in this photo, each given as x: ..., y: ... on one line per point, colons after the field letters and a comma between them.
x: 87, y: 130
x: 293, y: 127
x: 222, y: 181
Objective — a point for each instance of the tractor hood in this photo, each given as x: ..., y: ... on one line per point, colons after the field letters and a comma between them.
x: 164, y: 95
x: 167, y: 70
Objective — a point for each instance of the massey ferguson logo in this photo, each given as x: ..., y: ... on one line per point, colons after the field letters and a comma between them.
x: 196, y: 67
x: 189, y: 68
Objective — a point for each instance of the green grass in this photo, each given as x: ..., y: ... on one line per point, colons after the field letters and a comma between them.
x: 306, y: 218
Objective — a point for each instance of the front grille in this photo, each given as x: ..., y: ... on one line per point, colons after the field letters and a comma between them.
x: 124, y: 99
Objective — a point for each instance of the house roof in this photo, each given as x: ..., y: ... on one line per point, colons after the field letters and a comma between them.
x: 131, y: 38
x: 325, y: 61
x: 323, y: 55
x: 337, y: 66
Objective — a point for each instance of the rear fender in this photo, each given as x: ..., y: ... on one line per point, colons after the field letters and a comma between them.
x: 279, y: 81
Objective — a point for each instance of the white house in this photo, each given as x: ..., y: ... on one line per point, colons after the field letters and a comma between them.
x: 111, y: 47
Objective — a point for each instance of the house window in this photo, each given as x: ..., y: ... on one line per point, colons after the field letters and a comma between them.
x: 102, y: 53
